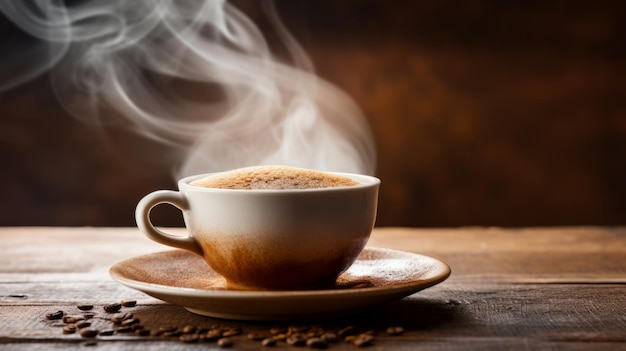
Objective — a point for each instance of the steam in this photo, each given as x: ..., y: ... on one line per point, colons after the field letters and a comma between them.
x: 197, y: 75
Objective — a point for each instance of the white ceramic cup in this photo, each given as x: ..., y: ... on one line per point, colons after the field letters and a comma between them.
x: 274, y: 239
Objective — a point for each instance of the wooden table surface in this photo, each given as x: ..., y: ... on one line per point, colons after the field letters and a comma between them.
x: 534, y: 288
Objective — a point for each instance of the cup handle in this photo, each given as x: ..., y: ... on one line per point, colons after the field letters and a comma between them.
x: 142, y: 216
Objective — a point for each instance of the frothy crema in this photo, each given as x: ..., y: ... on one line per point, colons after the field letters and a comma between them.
x: 274, y: 177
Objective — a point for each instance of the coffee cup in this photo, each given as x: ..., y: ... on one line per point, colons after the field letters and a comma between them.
x: 270, y: 239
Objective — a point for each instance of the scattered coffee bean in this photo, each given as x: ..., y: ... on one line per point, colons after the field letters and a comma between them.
x: 363, y: 340
x: 136, y: 327
x: 72, y: 319
x: 345, y: 331
x: 280, y: 337
x: 107, y: 332
x: 350, y: 338
x: 119, y: 318
x: 189, y: 329
x: 83, y: 324
x: 256, y: 336
x: 268, y: 342
x: 128, y: 322
x: 125, y: 330
x: 54, y: 315
x: 202, y: 330
x: 317, y: 331
x: 278, y: 330
x: 316, y: 343
x: 90, y: 343
x: 224, y: 342
x: 18, y: 296
x: 394, y: 331
x: 231, y: 332
x: 292, y: 329
x: 295, y: 335
x: 330, y: 337
x: 69, y: 329
x: 296, y: 339
x: 189, y: 338
x: 112, y: 307
x: 213, y: 335
x: 89, y: 333
x: 142, y: 332
x: 175, y: 333
x: 129, y: 303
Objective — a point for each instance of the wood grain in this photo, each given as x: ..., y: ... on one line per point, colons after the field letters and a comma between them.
x: 534, y: 288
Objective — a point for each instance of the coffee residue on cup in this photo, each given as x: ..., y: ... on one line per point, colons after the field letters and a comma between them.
x: 274, y: 177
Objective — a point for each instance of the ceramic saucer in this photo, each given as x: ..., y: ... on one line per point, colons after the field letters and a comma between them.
x: 183, y: 278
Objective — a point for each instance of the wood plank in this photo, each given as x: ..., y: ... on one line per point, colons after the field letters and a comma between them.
x: 555, y: 288
x: 534, y: 251
x: 564, y: 313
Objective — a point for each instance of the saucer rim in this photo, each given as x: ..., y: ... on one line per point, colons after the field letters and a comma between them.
x: 440, y: 274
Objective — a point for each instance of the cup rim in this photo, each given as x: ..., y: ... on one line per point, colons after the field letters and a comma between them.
x: 366, y: 181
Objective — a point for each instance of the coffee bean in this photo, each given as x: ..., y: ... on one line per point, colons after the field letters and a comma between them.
x: 136, y: 327
x: 316, y: 343
x: 292, y: 329
x: 129, y: 303
x: 224, y: 342
x: 90, y: 343
x: 85, y: 307
x: 175, y: 333
x: 363, y: 340
x: 69, y: 329
x: 346, y: 331
x: 278, y: 330
x: 124, y: 330
x: 83, y: 324
x: 169, y: 328
x: 54, y: 315
x: 128, y: 322
x: 119, y: 318
x: 350, y: 338
x: 280, y: 337
x: 296, y: 339
x: 213, y: 335
x: 330, y: 337
x: 189, y: 338
x: 112, y: 307
x: 89, y: 333
x: 142, y: 332
x: 88, y: 315
x: 107, y: 332
x: 201, y: 330
x: 72, y: 319
x: 256, y: 336
x: 231, y: 332
x: 316, y: 331
x: 189, y: 329
x: 268, y: 342
x: 394, y: 331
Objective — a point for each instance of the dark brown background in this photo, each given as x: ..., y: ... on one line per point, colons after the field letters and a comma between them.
x: 507, y: 113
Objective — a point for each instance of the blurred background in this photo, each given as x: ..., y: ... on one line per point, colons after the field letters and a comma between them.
x: 490, y: 113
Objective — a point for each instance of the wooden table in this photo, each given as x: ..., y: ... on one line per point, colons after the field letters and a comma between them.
x: 536, y: 288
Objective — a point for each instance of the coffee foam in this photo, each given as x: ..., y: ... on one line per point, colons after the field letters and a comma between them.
x: 274, y: 177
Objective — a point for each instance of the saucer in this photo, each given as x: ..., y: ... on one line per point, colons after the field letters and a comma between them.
x: 183, y: 278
